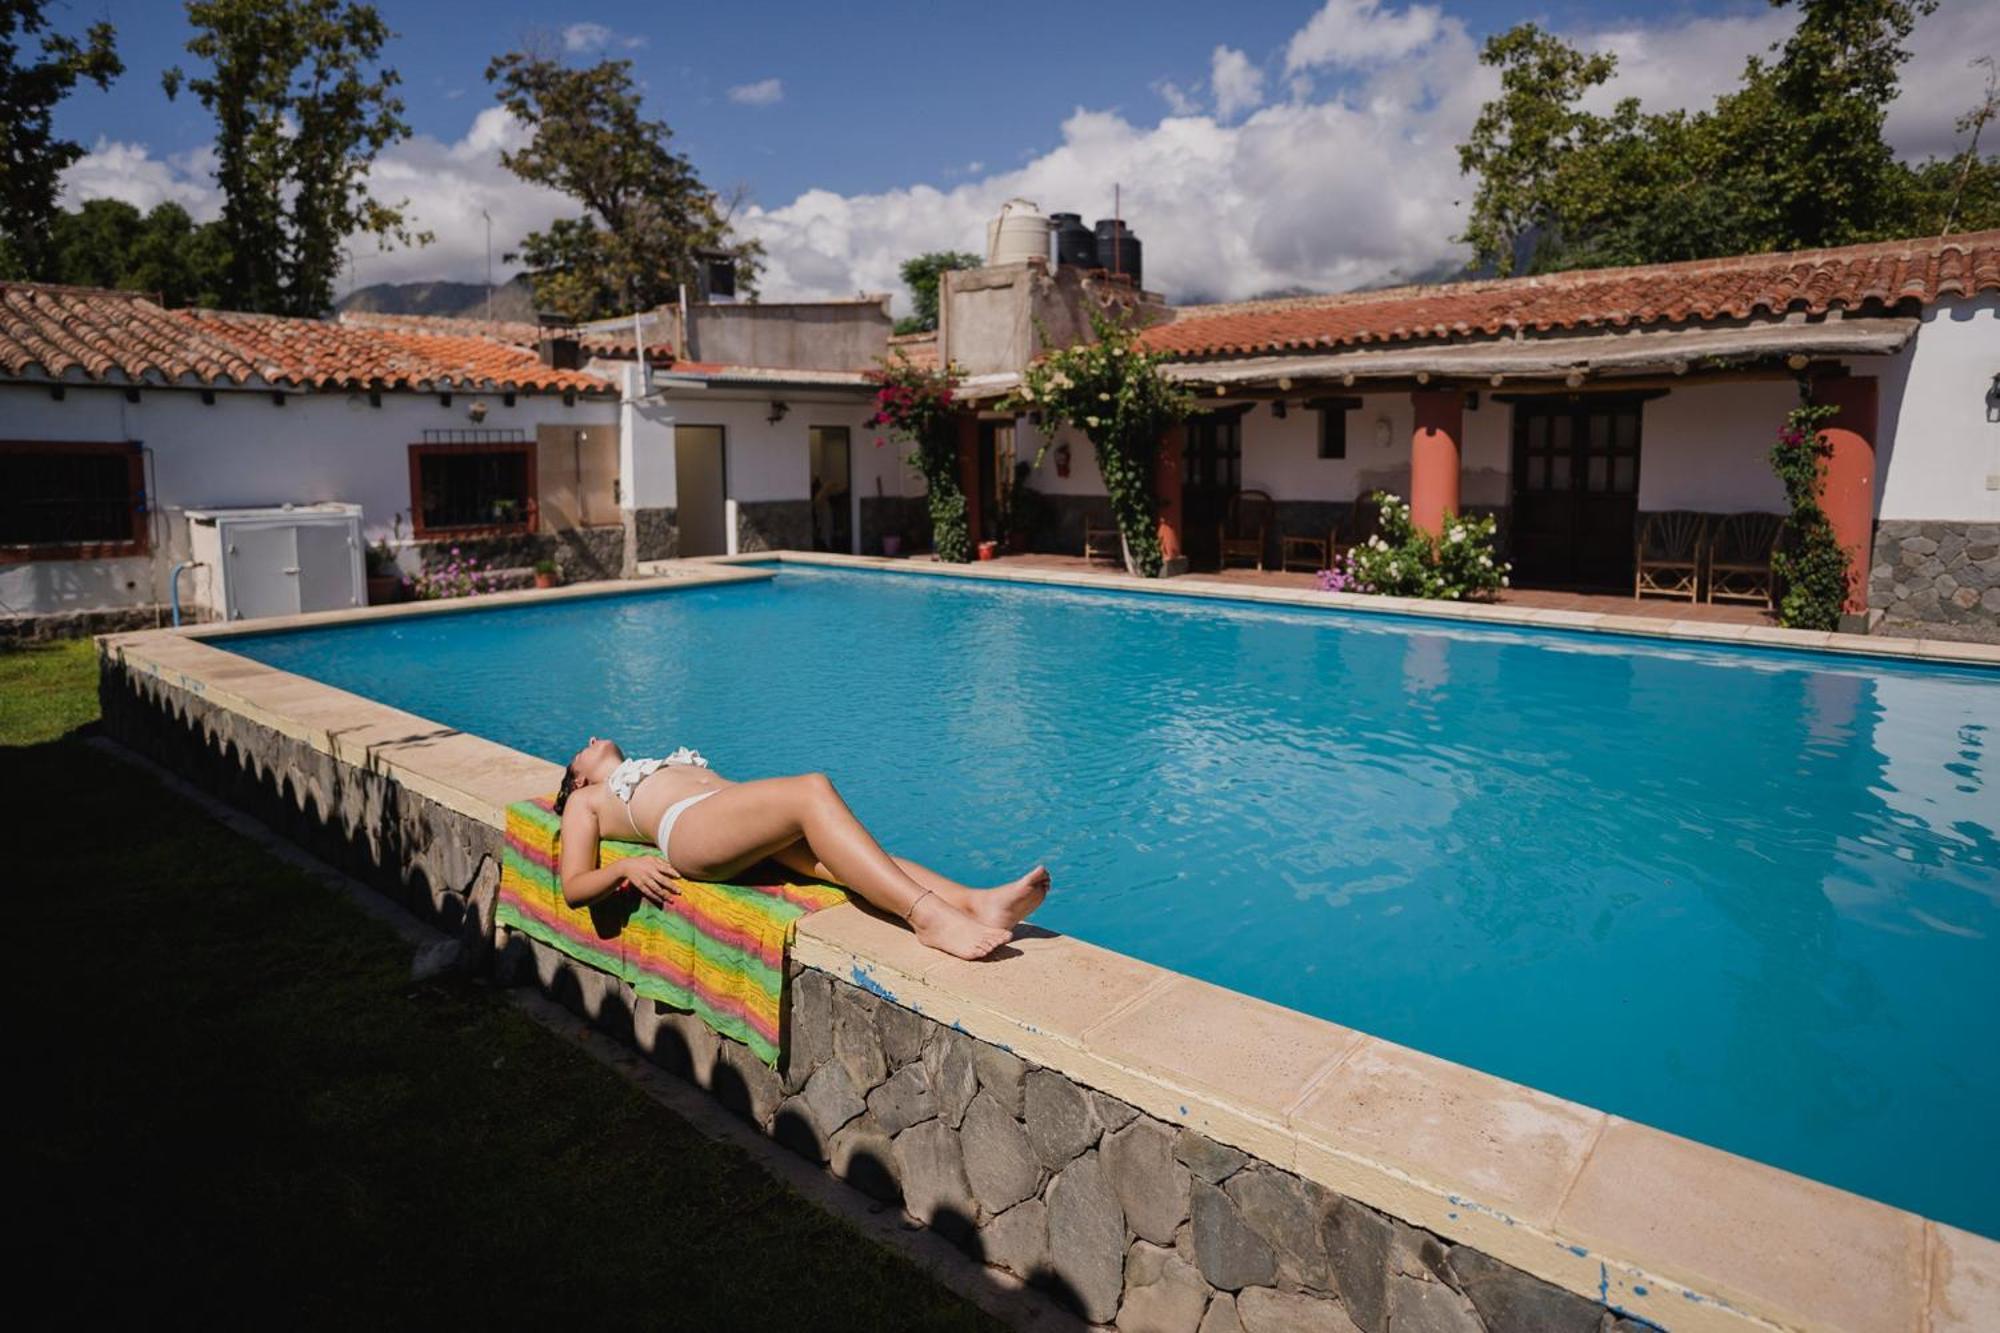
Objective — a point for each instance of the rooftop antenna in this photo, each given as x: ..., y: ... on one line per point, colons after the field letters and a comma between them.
x: 489, y: 264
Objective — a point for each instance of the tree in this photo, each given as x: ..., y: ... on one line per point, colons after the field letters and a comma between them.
x: 302, y: 107
x: 108, y: 243
x: 32, y: 158
x: 1792, y: 158
x: 922, y: 275
x: 649, y: 217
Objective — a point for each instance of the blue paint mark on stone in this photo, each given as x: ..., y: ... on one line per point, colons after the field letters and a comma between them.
x: 1579, y: 1251
x: 866, y: 980
x: 1452, y: 1216
x: 1639, y: 1290
x: 1184, y: 1110
x: 1603, y: 1285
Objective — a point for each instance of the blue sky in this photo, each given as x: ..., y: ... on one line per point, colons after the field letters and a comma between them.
x: 1263, y: 146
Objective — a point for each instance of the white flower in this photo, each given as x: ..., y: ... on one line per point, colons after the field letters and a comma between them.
x: 1090, y: 422
x: 1503, y: 581
x: 1103, y: 397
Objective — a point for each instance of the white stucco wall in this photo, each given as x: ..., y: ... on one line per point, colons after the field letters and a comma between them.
x: 244, y: 450
x: 1707, y: 447
x: 1939, y: 457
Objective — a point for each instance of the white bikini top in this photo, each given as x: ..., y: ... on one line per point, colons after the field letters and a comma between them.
x: 625, y: 778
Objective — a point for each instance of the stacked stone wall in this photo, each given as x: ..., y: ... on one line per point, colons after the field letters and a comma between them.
x: 1937, y: 573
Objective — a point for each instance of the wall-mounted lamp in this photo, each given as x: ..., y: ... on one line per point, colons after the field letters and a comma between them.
x: 1382, y: 432
x: 1993, y: 399
x: 778, y: 411
x: 477, y: 411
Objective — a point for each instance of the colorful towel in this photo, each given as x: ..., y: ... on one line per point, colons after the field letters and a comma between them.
x: 715, y: 949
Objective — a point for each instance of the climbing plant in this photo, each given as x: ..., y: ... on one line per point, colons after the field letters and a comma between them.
x: 1112, y: 390
x: 914, y: 403
x: 1810, y: 563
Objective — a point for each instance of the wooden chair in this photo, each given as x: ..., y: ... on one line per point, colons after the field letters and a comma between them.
x: 1739, y: 559
x: 1242, y: 533
x: 1102, y: 544
x: 1667, y: 558
x: 1364, y: 522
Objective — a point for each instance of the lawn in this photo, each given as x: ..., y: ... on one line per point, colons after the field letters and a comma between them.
x: 234, y: 1107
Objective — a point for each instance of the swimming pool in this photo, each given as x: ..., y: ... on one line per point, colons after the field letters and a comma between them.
x: 1747, y: 896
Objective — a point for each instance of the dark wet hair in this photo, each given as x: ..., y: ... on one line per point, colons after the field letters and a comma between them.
x: 568, y: 786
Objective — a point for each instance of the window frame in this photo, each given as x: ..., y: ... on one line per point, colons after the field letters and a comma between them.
x: 139, y: 543
x: 1332, y: 411
x: 530, y: 504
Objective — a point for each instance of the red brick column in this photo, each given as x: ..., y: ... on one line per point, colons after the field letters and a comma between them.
x: 1434, y: 456
x: 1167, y: 493
x: 1849, y: 494
x: 968, y: 473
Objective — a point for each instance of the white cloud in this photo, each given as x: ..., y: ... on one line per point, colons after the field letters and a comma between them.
x: 1238, y: 83
x: 1180, y: 101
x: 129, y: 171
x: 1351, y: 34
x: 586, y: 38
x: 764, y: 92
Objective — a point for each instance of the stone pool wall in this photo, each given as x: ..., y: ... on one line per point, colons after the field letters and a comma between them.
x: 1116, y: 1214
x: 1927, y: 574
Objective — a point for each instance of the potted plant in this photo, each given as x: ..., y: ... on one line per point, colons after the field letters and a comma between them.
x: 385, y: 576
x: 989, y: 550
x: 546, y: 574
x: 892, y: 544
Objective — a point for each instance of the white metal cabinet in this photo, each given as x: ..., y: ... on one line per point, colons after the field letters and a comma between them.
x: 279, y: 561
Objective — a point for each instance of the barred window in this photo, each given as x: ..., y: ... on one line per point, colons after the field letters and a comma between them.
x: 472, y: 488
x: 71, y: 501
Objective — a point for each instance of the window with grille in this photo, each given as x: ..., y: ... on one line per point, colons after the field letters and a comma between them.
x: 460, y: 489
x: 71, y: 501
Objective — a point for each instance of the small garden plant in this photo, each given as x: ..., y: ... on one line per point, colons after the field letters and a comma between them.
x: 1810, y: 563
x: 460, y: 576
x: 1403, y: 560
x: 914, y: 403
x: 1113, y: 391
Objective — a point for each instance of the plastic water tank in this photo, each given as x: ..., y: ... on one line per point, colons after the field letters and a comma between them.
x: 1118, y: 249
x: 1019, y: 234
x: 1075, y: 246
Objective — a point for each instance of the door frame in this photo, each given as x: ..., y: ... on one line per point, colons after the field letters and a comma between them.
x: 1196, y: 536
x: 722, y: 472
x: 1577, y: 408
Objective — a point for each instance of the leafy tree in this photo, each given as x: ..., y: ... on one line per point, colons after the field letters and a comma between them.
x: 32, y: 158
x: 1793, y: 158
x: 109, y: 243
x: 302, y: 106
x: 922, y: 275
x: 649, y: 216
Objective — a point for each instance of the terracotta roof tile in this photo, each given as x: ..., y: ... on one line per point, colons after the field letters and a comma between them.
x: 595, y: 341
x: 1881, y: 274
x: 60, y: 332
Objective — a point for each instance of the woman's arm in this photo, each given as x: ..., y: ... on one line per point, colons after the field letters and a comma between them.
x: 584, y: 883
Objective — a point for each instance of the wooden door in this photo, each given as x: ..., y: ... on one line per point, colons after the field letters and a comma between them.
x: 1575, y: 491
x: 1211, y: 475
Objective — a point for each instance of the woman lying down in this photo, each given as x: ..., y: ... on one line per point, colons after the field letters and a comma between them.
x: 712, y: 829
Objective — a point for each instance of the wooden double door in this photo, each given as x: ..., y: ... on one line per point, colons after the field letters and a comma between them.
x: 1211, y: 475
x: 1575, y: 491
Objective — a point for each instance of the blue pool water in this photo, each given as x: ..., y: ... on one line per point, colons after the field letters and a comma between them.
x: 1749, y: 897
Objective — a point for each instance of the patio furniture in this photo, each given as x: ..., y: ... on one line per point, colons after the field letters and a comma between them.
x: 1102, y: 544
x: 1245, y: 527
x: 1739, y: 559
x: 1667, y: 561
x: 1364, y: 521
x: 1311, y: 554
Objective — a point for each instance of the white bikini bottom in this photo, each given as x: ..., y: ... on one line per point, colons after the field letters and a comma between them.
x: 668, y: 820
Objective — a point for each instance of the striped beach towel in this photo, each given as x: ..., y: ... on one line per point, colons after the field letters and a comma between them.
x: 717, y: 950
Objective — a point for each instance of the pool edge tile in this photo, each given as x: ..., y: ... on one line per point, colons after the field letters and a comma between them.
x: 1964, y: 1293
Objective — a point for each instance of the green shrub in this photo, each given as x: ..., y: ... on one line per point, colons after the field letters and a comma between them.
x: 1458, y: 564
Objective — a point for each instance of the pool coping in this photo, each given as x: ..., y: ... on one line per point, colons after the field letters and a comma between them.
x: 1197, y: 587
x: 1674, y: 1232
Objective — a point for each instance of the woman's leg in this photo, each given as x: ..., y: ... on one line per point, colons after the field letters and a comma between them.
x: 1002, y: 905
x: 749, y: 821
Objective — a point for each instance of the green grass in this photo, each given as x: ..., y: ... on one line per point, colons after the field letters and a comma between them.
x: 235, y: 1108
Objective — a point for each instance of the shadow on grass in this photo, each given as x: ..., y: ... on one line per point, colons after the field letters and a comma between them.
x: 239, y: 1108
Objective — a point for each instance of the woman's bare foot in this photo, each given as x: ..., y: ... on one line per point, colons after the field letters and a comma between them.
x: 944, y: 927
x: 1009, y: 905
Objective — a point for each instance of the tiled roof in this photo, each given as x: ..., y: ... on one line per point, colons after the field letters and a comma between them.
x: 123, y: 337
x: 1877, y: 277
x: 595, y: 341
x: 919, y: 349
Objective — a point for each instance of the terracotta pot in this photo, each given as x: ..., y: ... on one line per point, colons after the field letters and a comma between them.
x: 989, y: 550
x: 892, y: 544
x: 384, y: 588
x: 547, y: 580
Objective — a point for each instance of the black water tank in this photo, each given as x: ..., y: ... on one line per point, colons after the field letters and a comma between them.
x: 1075, y: 246
x: 1117, y: 249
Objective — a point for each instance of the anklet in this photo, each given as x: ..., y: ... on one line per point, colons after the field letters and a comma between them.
x: 913, y: 904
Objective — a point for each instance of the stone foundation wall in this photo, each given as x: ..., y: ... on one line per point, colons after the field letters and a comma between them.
x: 1937, y: 573
x: 774, y: 525
x: 76, y: 624
x: 658, y: 533
x: 908, y: 516
x: 581, y: 554
x: 1111, y: 1212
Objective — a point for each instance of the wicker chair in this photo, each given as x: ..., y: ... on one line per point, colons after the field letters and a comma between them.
x: 1668, y: 555
x: 1310, y: 554
x: 1739, y: 559
x: 1102, y: 544
x: 1243, y: 532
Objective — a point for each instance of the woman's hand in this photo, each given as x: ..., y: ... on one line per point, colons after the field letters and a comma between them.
x: 651, y: 876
